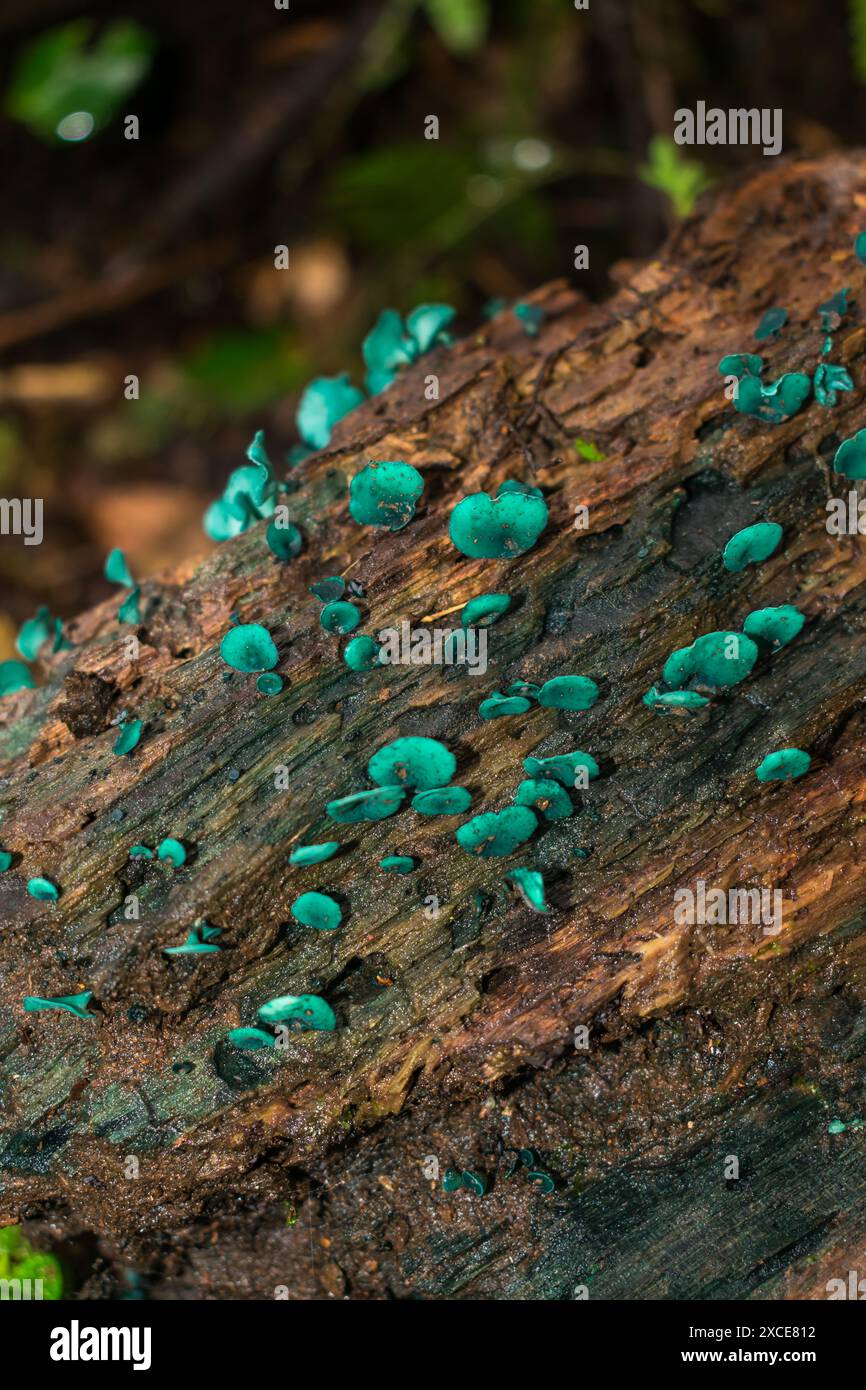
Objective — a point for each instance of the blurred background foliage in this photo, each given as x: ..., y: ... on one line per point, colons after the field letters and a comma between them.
x: 260, y: 126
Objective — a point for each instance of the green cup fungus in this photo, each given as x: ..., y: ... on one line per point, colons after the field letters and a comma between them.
x: 385, y: 494
x: 249, y: 647
x: 741, y: 364
x: 397, y: 864
x: 318, y: 911
x: 484, y: 610
x: 773, y: 401
x: 140, y: 852
x: 752, y: 545
x: 530, y: 316
x: 527, y: 689
x: 391, y: 344
x: 442, y: 801
x: 778, y: 626
x: 251, y: 1039
x: 43, y: 890
x: 286, y: 542
x: 541, y: 1180
x: 476, y: 1183
x: 829, y: 380
x: 783, y: 765
x: 269, y: 683
x: 330, y: 589
x: 412, y: 762
x: 771, y: 324
x: 303, y: 1011
x: 568, y: 692
x: 717, y: 659
x: 303, y: 855
x: 324, y: 402
x: 65, y: 1003
x: 496, y: 528
x: 38, y: 631
x: 362, y: 654
x: 14, y: 675
x: 570, y: 769
x: 5, y: 860
x: 544, y: 795
x: 200, y: 941
x: 130, y: 610
x: 530, y: 885
x: 496, y: 706
x: 496, y: 833
x: 675, y: 699
x: 128, y: 737
x: 376, y: 804
x: 833, y: 310
x: 850, y: 457
x: 117, y: 571
x: 249, y: 495
x: 172, y: 852
x: 340, y: 617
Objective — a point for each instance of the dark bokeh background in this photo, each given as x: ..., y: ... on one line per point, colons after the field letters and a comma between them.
x: 262, y: 126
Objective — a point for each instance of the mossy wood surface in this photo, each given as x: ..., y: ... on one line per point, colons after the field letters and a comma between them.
x: 306, y: 1167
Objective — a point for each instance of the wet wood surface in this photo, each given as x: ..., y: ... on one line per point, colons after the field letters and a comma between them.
x: 457, y: 1005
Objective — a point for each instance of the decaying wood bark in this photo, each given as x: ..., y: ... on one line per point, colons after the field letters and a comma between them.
x: 309, y: 1168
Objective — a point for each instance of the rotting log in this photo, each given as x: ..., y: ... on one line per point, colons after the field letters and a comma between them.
x: 309, y: 1168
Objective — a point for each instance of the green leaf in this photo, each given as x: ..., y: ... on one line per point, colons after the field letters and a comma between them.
x: 62, y: 73
x: 683, y: 180
x: 460, y: 24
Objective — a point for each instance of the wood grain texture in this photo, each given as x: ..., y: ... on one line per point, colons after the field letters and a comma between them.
x: 705, y: 1041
